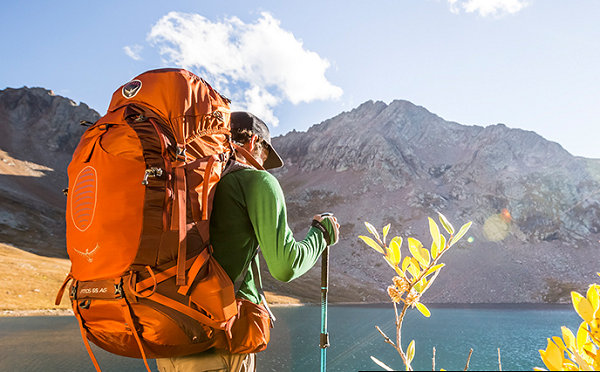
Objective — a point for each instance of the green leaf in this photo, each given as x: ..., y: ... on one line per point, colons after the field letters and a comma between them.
x: 372, y: 230
x: 423, y: 309
x: 410, y: 352
x: 386, y: 230
x: 463, y: 230
x: 422, y: 284
x: 371, y: 243
x: 435, y: 231
x: 447, y: 225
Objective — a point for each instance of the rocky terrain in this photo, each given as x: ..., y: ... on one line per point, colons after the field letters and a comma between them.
x: 535, y: 207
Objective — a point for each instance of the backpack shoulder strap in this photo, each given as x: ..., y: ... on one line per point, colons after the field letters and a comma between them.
x: 257, y: 282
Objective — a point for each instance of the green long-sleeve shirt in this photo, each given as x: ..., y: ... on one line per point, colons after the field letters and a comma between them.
x: 249, y: 211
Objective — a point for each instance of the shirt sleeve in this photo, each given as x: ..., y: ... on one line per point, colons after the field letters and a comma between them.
x: 286, y: 258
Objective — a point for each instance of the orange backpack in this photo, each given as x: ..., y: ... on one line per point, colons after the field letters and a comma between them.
x: 141, y: 183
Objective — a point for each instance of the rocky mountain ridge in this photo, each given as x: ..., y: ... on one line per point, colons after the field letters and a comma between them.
x: 535, y: 207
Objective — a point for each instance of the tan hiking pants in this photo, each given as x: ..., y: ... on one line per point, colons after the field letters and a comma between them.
x: 209, y: 361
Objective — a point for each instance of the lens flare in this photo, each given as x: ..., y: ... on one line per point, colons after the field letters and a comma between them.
x: 497, y: 226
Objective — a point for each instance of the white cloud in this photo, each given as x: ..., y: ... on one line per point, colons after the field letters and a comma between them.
x: 488, y: 7
x: 257, y: 64
x: 133, y: 51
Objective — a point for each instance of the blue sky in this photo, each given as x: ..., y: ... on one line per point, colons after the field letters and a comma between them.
x: 530, y: 64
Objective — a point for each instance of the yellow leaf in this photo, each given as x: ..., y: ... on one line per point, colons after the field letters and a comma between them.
x: 413, y: 270
x: 390, y: 262
x: 415, y: 249
x: 553, y: 357
x: 435, y: 231
x: 569, y: 338
x: 395, y: 249
x: 583, y: 307
x: 410, y: 352
x: 371, y: 243
x: 423, y: 309
x: 397, y: 239
x: 386, y: 230
x: 463, y: 230
x: 381, y: 364
x: 405, y: 263
x: 420, y: 285
x: 434, y: 269
x: 372, y: 230
x: 593, y: 297
x: 426, y: 256
x: 559, y: 342
x: 447, y: 225
x: 399, y: 272
x: 582, y: 336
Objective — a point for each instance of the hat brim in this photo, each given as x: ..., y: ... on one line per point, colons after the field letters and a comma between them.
x: 273, y: 159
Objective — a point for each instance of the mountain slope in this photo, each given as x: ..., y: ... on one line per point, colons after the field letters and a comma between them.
x: 399, y: 163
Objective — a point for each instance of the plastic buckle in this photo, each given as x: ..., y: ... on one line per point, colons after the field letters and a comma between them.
x: 181, y: 154
x: 119, y: 290
x: 73, y: 292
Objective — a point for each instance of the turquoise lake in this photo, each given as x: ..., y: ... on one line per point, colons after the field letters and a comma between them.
x: 54, y: 343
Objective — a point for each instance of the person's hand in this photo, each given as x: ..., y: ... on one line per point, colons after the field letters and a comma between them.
x: 331, y: 226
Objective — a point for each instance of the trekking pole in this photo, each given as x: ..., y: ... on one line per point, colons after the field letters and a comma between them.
x: 324, y: 339
x: 324, y: 284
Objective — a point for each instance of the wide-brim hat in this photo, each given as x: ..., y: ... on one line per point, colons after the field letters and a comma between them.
x: 246, y: 120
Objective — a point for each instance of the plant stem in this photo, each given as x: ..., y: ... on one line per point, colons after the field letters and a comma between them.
x: 468, y: 360
x: 499, y: 361
x: 433, y: 360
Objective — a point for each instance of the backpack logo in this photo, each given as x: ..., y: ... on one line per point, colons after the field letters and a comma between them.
x: 83, y: 198
x: 88, y: 254
x: 131, y: 89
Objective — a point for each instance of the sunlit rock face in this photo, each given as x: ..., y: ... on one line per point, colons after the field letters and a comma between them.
x: 535, y: 207
x: 38, y: 133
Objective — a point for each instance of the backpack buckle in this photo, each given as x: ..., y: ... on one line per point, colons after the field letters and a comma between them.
x: 181, y: 154
x: 119, y: 290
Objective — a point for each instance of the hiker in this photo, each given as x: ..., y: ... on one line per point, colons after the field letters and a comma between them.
x: 249, y: 211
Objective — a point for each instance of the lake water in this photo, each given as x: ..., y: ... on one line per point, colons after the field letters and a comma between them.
x: 54, y: 343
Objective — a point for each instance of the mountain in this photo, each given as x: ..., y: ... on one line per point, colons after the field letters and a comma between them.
x: 38, y: 133
x: 535, y: 208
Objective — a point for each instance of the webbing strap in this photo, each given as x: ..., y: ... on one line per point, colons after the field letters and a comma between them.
x: 129, y: 319
x: 161, y: 276
x: 165, y: 156
x: 248, y: 157
x: 207, y: 174
x: 61, y: 291
x: 180, y: 186
x: 196, y: 315
x: 261, y: 292
x: 194, y: 270
x: 84, y: 336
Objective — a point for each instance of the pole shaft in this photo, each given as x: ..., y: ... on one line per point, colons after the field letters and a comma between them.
x: 324, y: 339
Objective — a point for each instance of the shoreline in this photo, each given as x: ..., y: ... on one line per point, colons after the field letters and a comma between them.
x: 491, y: 306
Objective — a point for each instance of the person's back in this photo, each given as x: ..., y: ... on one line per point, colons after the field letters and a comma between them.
x: 249, y: 211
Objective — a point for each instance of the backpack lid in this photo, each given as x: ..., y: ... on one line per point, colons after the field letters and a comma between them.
x: 177, y: 96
